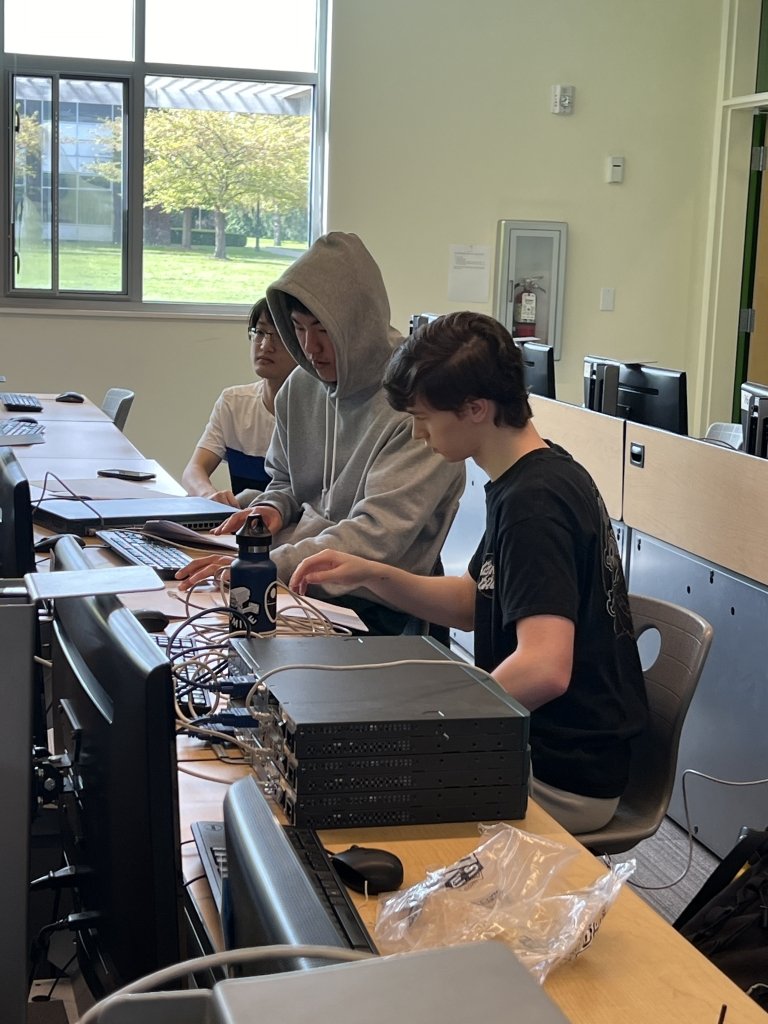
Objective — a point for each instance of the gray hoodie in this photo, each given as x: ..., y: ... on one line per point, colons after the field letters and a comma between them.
x: 346, y: 472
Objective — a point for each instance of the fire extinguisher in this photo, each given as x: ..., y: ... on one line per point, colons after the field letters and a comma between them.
x: 524, y: 308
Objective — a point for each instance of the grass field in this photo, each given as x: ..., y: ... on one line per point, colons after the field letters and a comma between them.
x: 171, y: 274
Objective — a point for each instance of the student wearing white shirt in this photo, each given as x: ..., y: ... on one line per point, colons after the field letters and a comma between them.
x: 241, y: 423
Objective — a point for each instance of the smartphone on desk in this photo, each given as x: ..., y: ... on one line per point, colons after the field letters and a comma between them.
x: 127, y: 474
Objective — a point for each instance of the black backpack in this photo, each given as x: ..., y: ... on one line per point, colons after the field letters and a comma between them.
x: 727, y: 920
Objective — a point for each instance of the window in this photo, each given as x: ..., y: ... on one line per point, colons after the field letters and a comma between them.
x: 168, y: 172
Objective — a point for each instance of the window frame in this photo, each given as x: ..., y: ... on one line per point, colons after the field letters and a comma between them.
x: 133, y: 74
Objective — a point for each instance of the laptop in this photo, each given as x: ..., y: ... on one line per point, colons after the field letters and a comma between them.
x: 84, y: 517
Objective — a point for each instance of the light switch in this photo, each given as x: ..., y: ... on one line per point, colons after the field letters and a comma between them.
x: 614, y: 170
x: 607, y: 299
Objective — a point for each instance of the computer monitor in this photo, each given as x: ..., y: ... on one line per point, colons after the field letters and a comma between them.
x: 114, y: 716
x: 539, y: 367
x: 754, y: 418
x: 640, y: 392
x: 419, y: 319
x: 601, y: 384
x: 653, y: 396
x: 17, y: 555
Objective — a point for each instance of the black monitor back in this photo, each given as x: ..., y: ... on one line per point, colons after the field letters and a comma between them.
x: 539, y: 368
x: 114, y: 715
x: 653, y: 396
x: 17, y: 555
x: 754, y: 418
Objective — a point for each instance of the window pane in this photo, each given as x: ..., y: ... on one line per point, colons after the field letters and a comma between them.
x: 270, y: 35
x: 77, y: 28
x: 226, y: 187
x: 91, y: 186
x: 31, y: 213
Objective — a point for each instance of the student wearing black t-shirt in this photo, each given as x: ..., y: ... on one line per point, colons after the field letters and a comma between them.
x: 544, y: 592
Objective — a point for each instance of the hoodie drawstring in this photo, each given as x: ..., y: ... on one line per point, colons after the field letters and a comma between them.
x: 328, y: 483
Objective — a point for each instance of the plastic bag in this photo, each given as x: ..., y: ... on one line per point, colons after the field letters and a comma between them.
x: 510, y: 888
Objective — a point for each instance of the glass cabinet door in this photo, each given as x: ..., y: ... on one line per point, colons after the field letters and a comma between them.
x: 530, y: 279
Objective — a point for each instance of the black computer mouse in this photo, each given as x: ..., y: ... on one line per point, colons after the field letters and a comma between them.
x: 45, y: 544
x: 152, y: 620
x: 23, y: 419
x: 70, y: 396
x: 382, y: 870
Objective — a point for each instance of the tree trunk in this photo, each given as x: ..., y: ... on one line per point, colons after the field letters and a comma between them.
x: 277, y: 227
x: 220, y: 250
x: 186, y: 228
x: 257, y: 220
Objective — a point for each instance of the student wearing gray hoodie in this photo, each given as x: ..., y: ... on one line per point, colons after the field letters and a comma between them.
x: 346, y: 470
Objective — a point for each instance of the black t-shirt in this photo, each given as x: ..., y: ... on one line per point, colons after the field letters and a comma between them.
x: 549, y: 549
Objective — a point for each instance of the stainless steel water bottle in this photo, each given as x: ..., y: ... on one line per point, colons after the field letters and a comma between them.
x: 253, y: 579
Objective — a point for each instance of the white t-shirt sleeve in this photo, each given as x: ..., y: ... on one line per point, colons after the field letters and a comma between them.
x: 239, y: 420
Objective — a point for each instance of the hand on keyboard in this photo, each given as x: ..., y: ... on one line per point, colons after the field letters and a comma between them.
x: 202, y: 568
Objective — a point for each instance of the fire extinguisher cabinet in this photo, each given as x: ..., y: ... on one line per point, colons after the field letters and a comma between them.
x: 530, y: 271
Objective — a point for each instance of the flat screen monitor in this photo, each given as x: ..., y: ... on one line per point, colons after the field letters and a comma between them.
x: 114, y: 716
x: 601, y: 384
x: 539, y: 368
x: 640, y: 392
x: 653, y: 396
x: 17, y: 555
x: 754, y: 418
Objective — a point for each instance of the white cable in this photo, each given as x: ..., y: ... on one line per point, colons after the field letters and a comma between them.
x: 222, y: 959
x: 688, y: 826
x: 206, y: 778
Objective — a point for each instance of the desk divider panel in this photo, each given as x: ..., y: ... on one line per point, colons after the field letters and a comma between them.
x: 699, y: 497
x: 594, y: 440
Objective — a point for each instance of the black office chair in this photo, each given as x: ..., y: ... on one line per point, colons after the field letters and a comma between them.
x: 117, y: 404
x: 670, y: 682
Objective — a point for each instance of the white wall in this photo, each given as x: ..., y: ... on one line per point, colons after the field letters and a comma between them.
x: 440, y: 126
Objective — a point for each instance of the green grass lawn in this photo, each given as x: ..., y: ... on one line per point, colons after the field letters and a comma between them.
x: 171, y: 274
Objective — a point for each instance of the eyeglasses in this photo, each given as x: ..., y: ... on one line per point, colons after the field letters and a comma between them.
x: 257, y: 334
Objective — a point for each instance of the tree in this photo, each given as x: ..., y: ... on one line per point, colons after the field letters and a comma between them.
x: 223, y: 162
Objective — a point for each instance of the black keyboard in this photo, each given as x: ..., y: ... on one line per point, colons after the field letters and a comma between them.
x: 196, y: 699
x: 136, y: 549
x: 14, y: 402
x: 311, y: 857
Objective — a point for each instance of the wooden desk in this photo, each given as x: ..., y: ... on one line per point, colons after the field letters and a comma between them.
x: 638, y: 969
x: 66, y: 439
x: 702, y: 498
x: 594, y: 440
x: 61, y: 411
x: 36, y: 467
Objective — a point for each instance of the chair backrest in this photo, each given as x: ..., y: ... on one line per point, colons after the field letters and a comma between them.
x: 684, y: 639
x: 729, y: 435
x: 117, y: 404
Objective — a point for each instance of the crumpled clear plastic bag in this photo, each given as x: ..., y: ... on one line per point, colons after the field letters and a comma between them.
x: 510, y: 888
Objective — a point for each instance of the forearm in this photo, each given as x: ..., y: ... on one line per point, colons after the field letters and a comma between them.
x: 196, y: 480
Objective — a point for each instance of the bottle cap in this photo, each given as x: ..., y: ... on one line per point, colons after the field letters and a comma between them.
x: 253, y: 534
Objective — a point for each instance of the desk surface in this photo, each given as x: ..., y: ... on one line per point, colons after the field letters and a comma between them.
x: 61, y: 411
x: 72, y: 439
x: 638, y: 969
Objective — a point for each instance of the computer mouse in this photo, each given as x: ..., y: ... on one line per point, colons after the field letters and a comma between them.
x: 380, y: 869
x: 152, y: 620
x: 23, y: 419
x: 45, y: 544
x: 70, y: 396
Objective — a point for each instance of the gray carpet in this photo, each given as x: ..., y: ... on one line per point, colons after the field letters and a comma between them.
x: 661, y: 860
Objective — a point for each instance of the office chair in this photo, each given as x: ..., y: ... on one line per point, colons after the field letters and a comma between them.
x: 729, y: 435
x: 117, y: 404
x: 670, y: 683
